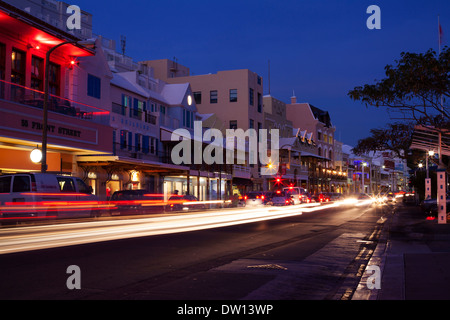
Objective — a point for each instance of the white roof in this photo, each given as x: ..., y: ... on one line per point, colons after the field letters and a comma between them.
x: 172, y: 94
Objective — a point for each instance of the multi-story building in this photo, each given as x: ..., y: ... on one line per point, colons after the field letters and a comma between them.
x: 78, y: 122
x: 234, y: 96
x: 324, y: 176
x: 145, y: 113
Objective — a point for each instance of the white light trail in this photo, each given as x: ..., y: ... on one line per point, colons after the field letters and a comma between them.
x: 58, y: 235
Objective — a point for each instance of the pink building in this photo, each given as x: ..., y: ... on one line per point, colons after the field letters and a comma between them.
x: 79, y: 108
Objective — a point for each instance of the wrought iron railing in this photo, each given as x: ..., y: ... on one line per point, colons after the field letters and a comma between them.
x: 35, y: 98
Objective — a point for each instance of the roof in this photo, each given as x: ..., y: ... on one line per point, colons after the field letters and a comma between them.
x: 172, y: 94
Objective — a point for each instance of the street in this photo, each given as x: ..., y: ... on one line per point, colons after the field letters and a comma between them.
x: 315, y: 255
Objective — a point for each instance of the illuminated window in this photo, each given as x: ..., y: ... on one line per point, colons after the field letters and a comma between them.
x: 233, y: 95
x: 18, y: 67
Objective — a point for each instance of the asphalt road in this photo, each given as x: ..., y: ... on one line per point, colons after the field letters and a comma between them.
x: 314, y: 256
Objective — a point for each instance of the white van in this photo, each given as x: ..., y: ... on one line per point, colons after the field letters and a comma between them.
x: 296, y: 194
x: 34, y: 195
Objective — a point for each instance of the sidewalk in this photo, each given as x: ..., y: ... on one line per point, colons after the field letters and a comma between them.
x: 414, y: 259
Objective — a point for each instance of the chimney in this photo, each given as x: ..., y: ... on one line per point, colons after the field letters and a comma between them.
x: 293, y: 98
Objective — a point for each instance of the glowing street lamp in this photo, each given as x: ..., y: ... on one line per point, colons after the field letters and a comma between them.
x: 36, y: 155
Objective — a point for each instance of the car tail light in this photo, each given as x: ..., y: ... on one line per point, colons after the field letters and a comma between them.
x: 287, y: 201
x: 262, y: 197
x: 33, y: 186
x: 245, y: 198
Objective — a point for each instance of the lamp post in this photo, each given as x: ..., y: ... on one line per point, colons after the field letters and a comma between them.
x: 364, y: 164
x: 86, y: 44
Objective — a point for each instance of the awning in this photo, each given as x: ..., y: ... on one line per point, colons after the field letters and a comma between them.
x: 132, y: 164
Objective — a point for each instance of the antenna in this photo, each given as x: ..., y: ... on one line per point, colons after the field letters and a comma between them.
x: 269, y: 77
x: 123, y: 43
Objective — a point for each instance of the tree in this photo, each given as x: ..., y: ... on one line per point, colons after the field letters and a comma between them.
x: 395, y: 137
x: 416, y: 89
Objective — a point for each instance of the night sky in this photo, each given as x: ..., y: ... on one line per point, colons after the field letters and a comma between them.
x: 319, y: 49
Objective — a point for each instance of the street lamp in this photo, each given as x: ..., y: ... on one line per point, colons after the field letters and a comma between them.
x: 85, y: 44
x: 364, y: 165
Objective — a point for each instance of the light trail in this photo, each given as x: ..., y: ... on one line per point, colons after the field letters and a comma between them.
x: 58, y: 235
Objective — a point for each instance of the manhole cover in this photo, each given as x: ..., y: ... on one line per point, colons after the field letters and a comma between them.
x: 268, y: 266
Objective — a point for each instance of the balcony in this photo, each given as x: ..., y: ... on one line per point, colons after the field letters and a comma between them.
x: 35, y: 99
x: 145, y: 116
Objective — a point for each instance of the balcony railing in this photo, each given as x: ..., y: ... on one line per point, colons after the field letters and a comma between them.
x: 135, y: 114
x: 34, y: 98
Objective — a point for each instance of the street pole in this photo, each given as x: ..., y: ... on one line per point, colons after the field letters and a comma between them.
x: 44, y: 165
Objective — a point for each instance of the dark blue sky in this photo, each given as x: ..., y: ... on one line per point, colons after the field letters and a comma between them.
x: 321, y: 49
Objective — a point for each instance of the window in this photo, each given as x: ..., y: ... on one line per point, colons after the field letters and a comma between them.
x: 319, y: 136
x: 5, y: 184
x: 259, y: 103
x: 66, y: 184
x: 188, y: 119
x: 198, y: 97
x: 251, y: 97
x: 130, y: 140
x: 123, y: 139
x: 54, y: 79
x: 252, y: 124
x: 94, y: 86
x: 233, y: 95
x: 152, y: 145
x: 145, y: 144
x: 213, y: 96
x: 137, y: 142
x: 82, y: 187
x: 21, y: 184
x: 18, y: 67
x: 37, y: 73
x: 233, y: 124
x: 2, y: 61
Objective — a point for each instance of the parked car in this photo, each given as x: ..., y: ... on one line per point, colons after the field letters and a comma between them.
x: 184, y: 203
x: 282, y: 198
x: 34, y: 195
x: 254, y: 199
x: 130, y: 202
